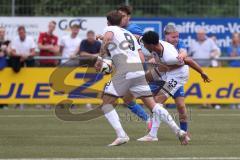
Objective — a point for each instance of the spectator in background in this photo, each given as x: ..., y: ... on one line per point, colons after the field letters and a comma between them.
x: 89, y: 48
x: 69, y: 47
x: 203, y: 48
x: 47, y: 43
x: 4, y: 48
x: 234, y: 51
x: 4, y: 51
x: 22, y: 50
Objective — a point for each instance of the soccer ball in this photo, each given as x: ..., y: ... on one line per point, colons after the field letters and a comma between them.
x: 106, y: 66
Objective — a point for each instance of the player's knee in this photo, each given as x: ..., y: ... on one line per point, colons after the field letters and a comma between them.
x: 183, y: 117
x: 127, y: 100
x: 109, y: 100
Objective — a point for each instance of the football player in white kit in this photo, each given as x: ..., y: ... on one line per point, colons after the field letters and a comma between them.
x: 166, y: 54
x: 129, y: 77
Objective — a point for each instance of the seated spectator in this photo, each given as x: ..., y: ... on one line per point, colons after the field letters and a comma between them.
x: 234, y: 50
x: 22, y: 50
x: 47, y: 43
x: 89, y: 48
x: 203, y: 48
x: 69, y: 47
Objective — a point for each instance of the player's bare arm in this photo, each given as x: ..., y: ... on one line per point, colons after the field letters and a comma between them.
x: 107, y: 38
x: 193, y: 64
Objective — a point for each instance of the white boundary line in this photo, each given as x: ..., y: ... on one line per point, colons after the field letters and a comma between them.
x: 167, y: 158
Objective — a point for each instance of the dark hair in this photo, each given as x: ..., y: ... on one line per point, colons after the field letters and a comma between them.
x: 75, y: 26
x: 126, y: 9
x: 90, y: 32
x: 114, y: 18
x: 21, y: 28
x: 150, y: 37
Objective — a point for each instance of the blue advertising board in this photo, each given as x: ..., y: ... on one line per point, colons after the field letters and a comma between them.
x: 222, y: 28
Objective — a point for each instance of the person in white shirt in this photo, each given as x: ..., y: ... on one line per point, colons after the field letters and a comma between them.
x: 69, y: 46
x: 203, y: 48
x: 22, y: 50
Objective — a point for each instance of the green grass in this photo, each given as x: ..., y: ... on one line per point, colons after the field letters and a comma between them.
x: 39, y: 134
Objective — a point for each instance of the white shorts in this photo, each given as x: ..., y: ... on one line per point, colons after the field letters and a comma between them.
x: 172, y: 82
x: 120, y: 86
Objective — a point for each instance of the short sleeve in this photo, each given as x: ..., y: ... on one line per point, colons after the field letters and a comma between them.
x: 40, y: 38
x: 82, y: 46
x: 213, y: 45
x: 181, y: 45
x: 98, y: 46
x: 135, y: 29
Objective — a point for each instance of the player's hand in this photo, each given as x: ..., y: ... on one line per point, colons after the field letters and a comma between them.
x: 99, y: 37
x: 152, y: 61
x: 205, y: 78
x: 98, y: 64
x: 181, y: 56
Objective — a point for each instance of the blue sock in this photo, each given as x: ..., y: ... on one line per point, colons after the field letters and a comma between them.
x: 138, y: 110
x: 184, y: 126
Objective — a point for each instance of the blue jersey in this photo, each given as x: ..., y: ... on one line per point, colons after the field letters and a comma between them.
x: 181, y: 45
x: 134, y: 29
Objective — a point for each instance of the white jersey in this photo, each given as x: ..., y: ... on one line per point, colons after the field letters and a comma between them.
x: 169, y: 57
x: 124, y: 52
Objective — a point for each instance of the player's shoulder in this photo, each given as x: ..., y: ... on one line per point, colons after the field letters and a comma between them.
x: 135, y: 29
x: 133, y: 26
x: 181, y: 44
x: 165, y: 44
x: 111, y: 29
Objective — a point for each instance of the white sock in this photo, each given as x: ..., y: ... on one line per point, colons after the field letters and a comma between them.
x: 112, y: 117
x: 166, y: 117
x: 155, y: 125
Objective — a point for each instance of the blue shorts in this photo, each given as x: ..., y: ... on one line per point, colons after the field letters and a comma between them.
x: 156, y: 86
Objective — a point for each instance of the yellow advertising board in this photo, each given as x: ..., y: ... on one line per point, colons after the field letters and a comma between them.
x: 81, y: 85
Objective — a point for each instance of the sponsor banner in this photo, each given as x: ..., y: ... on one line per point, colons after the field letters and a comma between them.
x: 35, y: 25
x: 35, y: 86
x: 222, y: 28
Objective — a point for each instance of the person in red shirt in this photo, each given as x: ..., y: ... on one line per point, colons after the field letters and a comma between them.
x: 47, y: 43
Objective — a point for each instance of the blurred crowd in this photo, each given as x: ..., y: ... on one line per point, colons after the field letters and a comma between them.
x: 20, y: 51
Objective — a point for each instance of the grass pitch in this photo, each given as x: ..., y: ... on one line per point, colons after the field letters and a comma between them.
x: 40, y: 134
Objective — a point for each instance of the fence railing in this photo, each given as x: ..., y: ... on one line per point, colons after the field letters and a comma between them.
x: 85, y: 58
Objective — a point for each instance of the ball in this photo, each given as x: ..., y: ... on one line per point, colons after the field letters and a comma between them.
x: 106, y: 66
